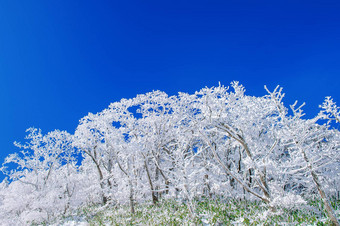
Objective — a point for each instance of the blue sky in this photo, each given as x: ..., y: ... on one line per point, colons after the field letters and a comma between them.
x: 60, y: 60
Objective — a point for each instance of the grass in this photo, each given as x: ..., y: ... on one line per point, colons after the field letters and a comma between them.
x: 208, y: 212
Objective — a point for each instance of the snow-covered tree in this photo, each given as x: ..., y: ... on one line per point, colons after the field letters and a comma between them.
x: 40, y: 187
x: 217, y: 142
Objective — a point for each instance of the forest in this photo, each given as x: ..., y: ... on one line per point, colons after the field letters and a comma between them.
x: 215, y: 147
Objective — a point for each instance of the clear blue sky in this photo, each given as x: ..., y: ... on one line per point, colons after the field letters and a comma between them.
x: 61, y: 59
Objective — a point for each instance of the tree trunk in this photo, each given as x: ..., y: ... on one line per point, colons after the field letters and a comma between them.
x: 154, y: 196
x: 132, y: 201
x: 328, y: 207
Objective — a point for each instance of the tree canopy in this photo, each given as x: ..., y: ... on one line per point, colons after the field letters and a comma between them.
x: 215, y: 142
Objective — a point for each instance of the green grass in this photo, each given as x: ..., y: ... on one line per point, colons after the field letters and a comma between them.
x: 208, y: 212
